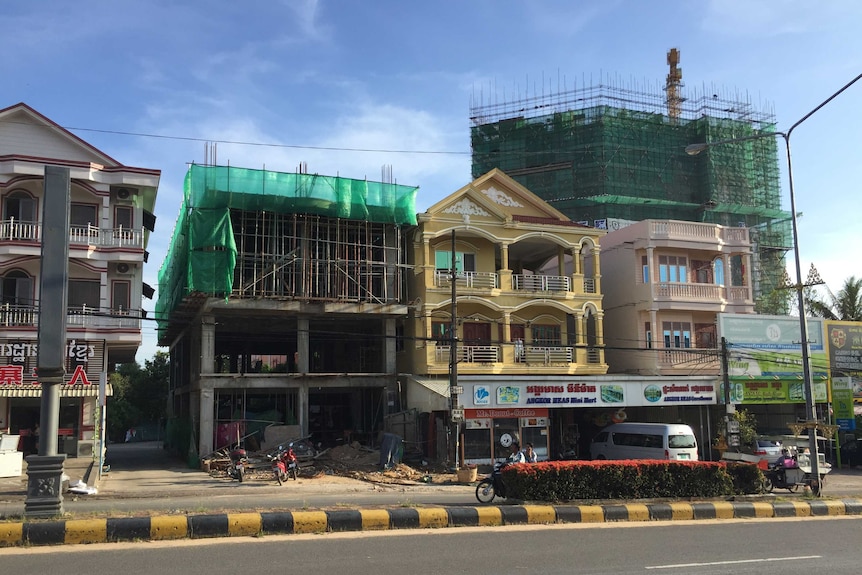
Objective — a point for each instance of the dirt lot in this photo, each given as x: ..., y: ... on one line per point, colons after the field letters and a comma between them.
x: 353, y: 461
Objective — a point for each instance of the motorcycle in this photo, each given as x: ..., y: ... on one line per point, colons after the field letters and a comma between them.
x: 284, y: 464
x: 792, y: 477
x: 492, y: 485
x: 238, y: 462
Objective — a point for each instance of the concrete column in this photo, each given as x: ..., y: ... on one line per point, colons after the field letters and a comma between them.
x: 302, y: 408
x: 597, y: 269
x: 207, y: 423
x: 302, y: 346
x: 207, y: 345
x: 389, y: 346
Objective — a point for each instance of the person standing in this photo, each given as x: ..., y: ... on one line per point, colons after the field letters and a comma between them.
x: 530, y: 455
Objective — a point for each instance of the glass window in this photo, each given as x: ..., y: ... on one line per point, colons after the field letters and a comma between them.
x: 672, y: 269
x: 440, y: 331
x: 718, y: 267
x: 82, y: 215
x: 16, y: 289
x: 123, y: 217
x: 120, y: 296
x: 676, y: 334
x: 20, y: 206
x: 645, y: 266
x: 681, y: 441
x: 84, y: 293
x: 463, y: 262
x: 546, y: 335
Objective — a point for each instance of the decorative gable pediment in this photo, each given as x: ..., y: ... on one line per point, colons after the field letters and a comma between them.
x: 466, y: 207
x: 502, y: 198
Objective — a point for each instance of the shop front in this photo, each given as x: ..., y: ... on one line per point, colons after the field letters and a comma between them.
x: 559, y: 414
x: 80, y: 415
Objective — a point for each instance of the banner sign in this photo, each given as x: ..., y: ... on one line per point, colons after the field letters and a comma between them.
x: 592, y: 394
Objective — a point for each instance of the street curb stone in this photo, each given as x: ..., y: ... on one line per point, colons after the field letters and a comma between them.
x: 35, y: 533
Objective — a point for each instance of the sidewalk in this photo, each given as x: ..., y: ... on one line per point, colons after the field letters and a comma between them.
x: 148, y: 494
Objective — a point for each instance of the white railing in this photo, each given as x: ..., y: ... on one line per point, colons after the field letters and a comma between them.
x: 589, y: 285
x: 687, y: 357
x: 14, y: 230
x: 28, y: 316
x: 92, y: 317
x: 541, y: 283
x: 735, y: 293
x: 547, y: 355
x: 469, y: 353
x: 18, y: 315
x: 87, y: 235
x: 480, y: 280
x: 688, y: 291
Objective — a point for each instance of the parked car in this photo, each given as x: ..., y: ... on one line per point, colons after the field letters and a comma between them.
x: 851, y: 452
x: 768, y: 449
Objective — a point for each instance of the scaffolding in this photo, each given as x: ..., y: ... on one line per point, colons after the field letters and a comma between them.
x: 260, y: 234
x: 606, y: 153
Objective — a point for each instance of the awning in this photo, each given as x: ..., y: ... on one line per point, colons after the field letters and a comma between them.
x: 427, y: 393
x: 65, y: 391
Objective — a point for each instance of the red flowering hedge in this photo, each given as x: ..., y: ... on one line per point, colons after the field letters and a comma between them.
x: 628, y: 479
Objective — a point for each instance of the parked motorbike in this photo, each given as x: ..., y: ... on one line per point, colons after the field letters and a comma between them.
x: 492, y: 485
x: 238, y: 462
x: 284, y: 464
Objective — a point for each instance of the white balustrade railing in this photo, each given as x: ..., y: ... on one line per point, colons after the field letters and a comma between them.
x: 469, y: 353
x: 13, y: 230
x: 541, y: 283
x: 480, y: 280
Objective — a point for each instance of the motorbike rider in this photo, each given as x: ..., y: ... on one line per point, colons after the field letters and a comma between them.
x: 783, y: 463
x: 516, y: 456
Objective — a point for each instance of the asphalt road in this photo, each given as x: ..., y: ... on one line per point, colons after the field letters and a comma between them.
x: 762, y: 547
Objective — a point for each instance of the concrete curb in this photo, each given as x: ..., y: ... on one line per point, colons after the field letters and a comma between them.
x: 163, y: 527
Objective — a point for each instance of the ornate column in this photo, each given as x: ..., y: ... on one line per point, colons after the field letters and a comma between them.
x: 504, y: 272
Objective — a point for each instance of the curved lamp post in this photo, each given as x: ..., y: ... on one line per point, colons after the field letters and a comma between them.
x: 810, y: 407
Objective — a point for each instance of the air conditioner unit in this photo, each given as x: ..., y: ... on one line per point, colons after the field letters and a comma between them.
x: 124, y: 268
x: 85, y: 448
x: 125, y: 193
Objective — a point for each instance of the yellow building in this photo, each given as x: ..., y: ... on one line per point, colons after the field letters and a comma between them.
x: 528, y: 306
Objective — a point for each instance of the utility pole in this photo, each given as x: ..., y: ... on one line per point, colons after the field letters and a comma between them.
x: 45, y: 470
x: 456, y: 414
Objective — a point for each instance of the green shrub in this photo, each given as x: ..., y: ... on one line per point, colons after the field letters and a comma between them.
x: 628, y: 479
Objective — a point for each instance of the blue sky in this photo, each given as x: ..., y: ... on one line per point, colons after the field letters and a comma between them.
x: 393, y: 75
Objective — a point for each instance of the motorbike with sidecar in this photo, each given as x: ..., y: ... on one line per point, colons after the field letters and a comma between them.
x: 795, y: 474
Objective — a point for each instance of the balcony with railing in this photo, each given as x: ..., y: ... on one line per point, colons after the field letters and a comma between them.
x: 474, y: 280
x: 676, y: 230
x: 544, y: 355
x: 79, y: 316
x: 688, y: 359
x: 18, y: 231
x: 541, y: 283
x: 469, y: 353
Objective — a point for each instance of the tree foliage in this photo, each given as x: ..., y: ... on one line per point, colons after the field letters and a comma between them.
x: 846, y: 305
x: 140, y: 395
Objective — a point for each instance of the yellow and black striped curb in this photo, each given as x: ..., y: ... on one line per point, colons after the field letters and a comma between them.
x: 290, y: 522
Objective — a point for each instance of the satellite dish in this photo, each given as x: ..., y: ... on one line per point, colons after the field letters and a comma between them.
x: 506, y: 440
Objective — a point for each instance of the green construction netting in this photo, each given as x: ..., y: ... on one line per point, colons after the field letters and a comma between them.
x: 603, y: 161
x: 202, y: 253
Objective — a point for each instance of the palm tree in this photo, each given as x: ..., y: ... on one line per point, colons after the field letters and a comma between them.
x: 846, y: 305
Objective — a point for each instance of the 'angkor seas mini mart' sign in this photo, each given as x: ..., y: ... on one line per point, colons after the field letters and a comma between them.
x: 583, y: 394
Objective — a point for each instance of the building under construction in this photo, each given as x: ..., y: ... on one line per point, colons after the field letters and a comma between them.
x: 279, y: 298
x: 607, y: 156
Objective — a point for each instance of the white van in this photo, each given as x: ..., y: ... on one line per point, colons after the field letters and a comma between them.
x: 645, y: 441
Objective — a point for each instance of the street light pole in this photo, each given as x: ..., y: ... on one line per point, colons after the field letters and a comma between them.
x: 810, y: 406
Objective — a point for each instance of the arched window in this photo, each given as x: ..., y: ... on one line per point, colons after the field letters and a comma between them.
x: 16, y: 288
x: 718, y: 266
x: 19, y: 205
